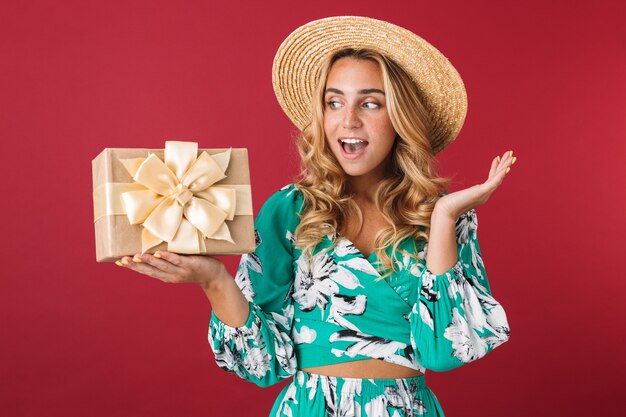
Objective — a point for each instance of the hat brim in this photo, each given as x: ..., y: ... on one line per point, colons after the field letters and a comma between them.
x: 297, y: 65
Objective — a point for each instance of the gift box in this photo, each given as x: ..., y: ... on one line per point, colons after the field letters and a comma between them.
x: 179, y: 199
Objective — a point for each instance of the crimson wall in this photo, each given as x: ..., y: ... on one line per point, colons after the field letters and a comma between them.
x: 544, y: 78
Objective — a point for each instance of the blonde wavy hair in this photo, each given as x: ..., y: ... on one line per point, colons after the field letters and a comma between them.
x: 405, y: 198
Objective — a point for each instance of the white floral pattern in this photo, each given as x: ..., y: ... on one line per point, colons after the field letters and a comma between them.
x: 333, y: 308
x: 313, y: 285
x: 318, y: 395
x: 249, y: 261
x: 476, y: 322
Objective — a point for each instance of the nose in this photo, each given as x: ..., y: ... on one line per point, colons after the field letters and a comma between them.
x: 351, y: 118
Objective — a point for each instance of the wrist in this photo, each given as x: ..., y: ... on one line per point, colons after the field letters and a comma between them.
x: 216, y: 283
x: 443, y: 214
x: 465, y: 200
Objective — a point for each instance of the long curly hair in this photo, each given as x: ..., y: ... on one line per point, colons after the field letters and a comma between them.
x: 405, y: 198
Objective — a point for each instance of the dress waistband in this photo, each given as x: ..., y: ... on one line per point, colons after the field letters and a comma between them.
x: 365, y: 386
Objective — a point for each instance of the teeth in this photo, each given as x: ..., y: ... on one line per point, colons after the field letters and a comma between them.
x: 352, y: 140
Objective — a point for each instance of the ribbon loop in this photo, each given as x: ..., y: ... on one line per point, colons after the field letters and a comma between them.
x: 176, y: 200
x: 202, y: 174
x: 179, y: 156
x: 139, y: 204
x: 156, y: 176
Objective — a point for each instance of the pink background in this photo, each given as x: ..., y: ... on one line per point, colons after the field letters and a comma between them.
x: 544, y: 78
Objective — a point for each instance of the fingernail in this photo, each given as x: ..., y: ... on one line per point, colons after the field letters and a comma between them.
x: 514, y: 159
x: 498, y: 158
x: 507, y: 170
x: 157, y: 255
x: 510, y: 153
x: 118, y: 263
x: 124, y: 262
x: 136, y: 259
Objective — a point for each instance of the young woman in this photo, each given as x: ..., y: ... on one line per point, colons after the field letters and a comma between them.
x: 367, y: 271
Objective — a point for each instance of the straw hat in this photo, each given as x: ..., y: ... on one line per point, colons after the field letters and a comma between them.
x: 297, y: 66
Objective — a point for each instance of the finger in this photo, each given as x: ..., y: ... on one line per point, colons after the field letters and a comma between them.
x: 124, y: 261
x: 170, y: 257
x: 497, y: 172
x: 506, y: 158
x: 159, y: 263
x: 510, y: 160
x: 494, y: 167
x: 505, y: 161
x: 143, y: 268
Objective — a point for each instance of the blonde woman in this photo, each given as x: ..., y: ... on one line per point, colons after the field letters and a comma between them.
x: 367, y: 271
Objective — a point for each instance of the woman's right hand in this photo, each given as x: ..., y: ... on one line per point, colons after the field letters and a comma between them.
x: 226, y: 298
x: 171, y: 267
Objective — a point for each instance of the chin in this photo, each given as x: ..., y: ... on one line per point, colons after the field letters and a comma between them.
x: 354, y: 172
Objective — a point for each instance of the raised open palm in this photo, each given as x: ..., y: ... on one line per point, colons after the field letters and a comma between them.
x: 458, y: 202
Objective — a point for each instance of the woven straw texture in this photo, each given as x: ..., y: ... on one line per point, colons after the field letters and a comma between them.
x: 296, y: 68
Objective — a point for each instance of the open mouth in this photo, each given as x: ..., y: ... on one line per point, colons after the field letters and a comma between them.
x: 352, y: 146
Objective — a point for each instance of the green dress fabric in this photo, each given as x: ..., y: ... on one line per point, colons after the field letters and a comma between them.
x: 318, y: 395
x: 335, y: 308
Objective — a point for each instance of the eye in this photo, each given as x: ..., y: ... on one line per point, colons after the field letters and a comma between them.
x: 333, y: 104
x: 370, y: 105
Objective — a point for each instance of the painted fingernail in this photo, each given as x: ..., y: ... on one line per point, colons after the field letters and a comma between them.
x: 124, y: 262
x: 514, y: 159
x: 136, y: 259
x: 507, y: 170
x: 510, y: 153
x: 157, y: 255
x: 498, y: 158
x: 118, y: 263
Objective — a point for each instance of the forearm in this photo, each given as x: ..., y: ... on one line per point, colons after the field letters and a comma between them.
x: 227, y: 300
x: 442, y: 246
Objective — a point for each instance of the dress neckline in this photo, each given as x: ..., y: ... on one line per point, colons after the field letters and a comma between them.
x: 372, y: 256
x: 372, y: 259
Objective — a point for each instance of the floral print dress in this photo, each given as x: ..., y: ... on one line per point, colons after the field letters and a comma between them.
x: 336, y: 308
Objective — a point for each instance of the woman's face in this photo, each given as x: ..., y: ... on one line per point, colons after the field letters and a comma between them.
x: 357, y: 125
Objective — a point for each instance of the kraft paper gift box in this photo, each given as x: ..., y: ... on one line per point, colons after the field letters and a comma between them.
x: 180, y: 199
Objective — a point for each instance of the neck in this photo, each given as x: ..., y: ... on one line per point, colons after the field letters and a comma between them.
x: 364, y: 187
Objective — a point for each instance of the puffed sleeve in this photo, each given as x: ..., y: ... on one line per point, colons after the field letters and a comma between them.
x: 261, y: 351
x: 456, y: 319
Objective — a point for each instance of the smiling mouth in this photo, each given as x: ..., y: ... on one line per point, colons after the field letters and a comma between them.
x: 352, y: 145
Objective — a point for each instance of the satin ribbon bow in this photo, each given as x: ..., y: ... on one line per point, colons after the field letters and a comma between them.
x: 177, y: 201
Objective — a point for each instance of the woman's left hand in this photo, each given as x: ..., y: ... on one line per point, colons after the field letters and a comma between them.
x: 458, y: 202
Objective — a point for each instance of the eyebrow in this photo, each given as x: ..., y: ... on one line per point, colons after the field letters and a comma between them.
x: 364, y: 91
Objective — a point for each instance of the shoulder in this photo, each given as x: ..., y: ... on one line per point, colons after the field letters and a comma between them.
x: 279, y: 217
x: 286, y: 203
x: 288, y: 197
